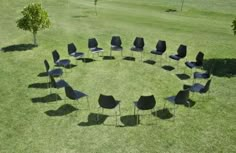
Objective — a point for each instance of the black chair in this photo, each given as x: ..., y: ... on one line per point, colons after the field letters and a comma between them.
x: 197, y: 63
x: 93, y: 46
x: 199, y: 88
x: 144, y: 103
x: 72, y: 51
x: 57, y: 84
x: 181, y: 53
x: 138, y: 46
x: 108, y: 102
x: 160, y: 48
x: 181, y: 98
x: 75, y: 94
x: 201, y: 75
x: 116, y: 45
x: 54, y: 72
x: 58, y: 61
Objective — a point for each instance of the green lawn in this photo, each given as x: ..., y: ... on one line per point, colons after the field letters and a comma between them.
x: 203, y: 25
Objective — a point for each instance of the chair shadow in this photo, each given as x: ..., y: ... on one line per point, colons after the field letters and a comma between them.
x: 42, y: 74
x: 129, y: 120
x: 92, y: 120
x: 18, y: 47
x: 171, y: 10
x: 70, y: 66
x: 129, y: 58
x: 87, y: 60
x: 46, y: 99
x: 163, y: 114
x: 151, y: 62
x: 39, y: 85
x: 221, y: 67
x: 108, y: 57
x: 168, y: 68
x: 79, y: 16
x: 62, y: 110
x: 183, y: 76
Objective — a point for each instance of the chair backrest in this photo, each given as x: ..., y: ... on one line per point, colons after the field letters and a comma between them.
x: 161, y: 46
x: 182, y: 51
x: 71, y: 48
x: 199, y: 58
x: 53, y: 82
x: 70, y: 92
x: 146, y: 102
x: 92, y: 43
x: 206, y: 87
x: 182, y: 96
x: 55, y: 56
x: 46, y: 65
x: 107, y: 101
x: 116, y: 41
x: 139, y: 42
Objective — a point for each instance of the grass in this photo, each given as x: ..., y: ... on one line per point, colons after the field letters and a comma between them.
x: 32, y: 121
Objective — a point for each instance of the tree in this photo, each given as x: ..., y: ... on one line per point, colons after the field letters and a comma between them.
x: 95, y: 4
x: 34, y: 18
x: 234, y: 26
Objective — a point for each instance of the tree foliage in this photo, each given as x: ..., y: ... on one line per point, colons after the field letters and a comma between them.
x: 34, y: 18
x: 234, y: 26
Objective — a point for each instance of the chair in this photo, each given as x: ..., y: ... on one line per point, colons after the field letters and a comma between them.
x: 75, y: 94
x: 58, y: 61
x: 181, y: 98
x: 54, y: 72
x: 93, y: 46
x: 197, y: 87
x: 116, y: 45
x: 138, y: 45
x: 197, y: 63
x: 144, y: 103
x: 72, y: 51
x: 160, y: 48
x: 108, y: 102
x: 181, y: 53
x: 57, y: 84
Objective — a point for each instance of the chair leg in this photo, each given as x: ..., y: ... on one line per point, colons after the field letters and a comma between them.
x: 88, y: 103
x: 116, y: 117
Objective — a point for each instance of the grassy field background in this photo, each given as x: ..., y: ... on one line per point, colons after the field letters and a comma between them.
x: 203, y: 25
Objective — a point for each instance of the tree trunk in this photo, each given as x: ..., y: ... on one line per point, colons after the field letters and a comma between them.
x: 182, y: 5
x: 34, y: 38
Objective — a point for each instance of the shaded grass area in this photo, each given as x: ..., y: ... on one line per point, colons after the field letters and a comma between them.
x: 33, y: 120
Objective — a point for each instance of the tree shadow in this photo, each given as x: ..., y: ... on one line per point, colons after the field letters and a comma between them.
x: 39, y: 85
x: 151, y: 62
x: 168, y: 68
x: 183, y: 76
x: 92, y: 119
x: 129, y: 58
x: 163, y: 114
x: 221, y: 67
x: 46, y: 99
x: 18, y: 47
x: 108, y: 57
x: 62, y: 110
x: 129, y: 120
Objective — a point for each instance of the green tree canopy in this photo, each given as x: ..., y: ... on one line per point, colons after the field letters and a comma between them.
x: 34, y: 18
